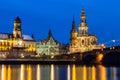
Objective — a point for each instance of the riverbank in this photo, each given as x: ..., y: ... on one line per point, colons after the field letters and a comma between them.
x: 55, y: 61
x: 39, y: 61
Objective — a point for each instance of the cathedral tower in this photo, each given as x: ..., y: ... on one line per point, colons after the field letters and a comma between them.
x: 82, y: 41
x: 83, y: 28
x: 17, y: 31
x: 73, y: 39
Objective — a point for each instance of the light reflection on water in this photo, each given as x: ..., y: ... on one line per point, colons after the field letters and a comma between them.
x: 58, y: 72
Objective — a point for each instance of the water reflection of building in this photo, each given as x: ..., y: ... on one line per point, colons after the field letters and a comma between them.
x: 113, y: 73
x: 23, y: 43
x: 29, y: 72
x: 52, y: 72
x: 74, y: 72
x: 102, y: 72
x: 22, y: 72
x: 38, y: 72
x: 45, y: 72
x: 68, y: 73
x: 80, y: 40
x: 49, y: 46
x: 55, y: 72
x: 83, y: 73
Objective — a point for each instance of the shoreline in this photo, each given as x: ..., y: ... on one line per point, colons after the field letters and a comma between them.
x: 38, y: 61
x: 55, y: 62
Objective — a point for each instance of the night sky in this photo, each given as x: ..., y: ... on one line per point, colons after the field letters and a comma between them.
x: 38, y: 16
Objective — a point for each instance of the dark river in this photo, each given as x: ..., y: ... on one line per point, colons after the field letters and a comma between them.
x: 58, y: 72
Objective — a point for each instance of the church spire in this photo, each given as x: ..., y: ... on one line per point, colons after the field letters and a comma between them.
x: 83, y: 16
x: 49, y: 33
x: 73, y: 32
x: 73, y: 23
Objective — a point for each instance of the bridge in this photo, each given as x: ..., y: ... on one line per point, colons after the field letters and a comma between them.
x: 113, y: 49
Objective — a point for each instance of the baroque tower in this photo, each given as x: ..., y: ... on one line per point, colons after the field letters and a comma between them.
x: 73, y: 32
x: 17, y: 31
x: 82, y: 41
x: 83, y: 28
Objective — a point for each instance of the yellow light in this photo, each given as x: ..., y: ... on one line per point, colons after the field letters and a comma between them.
x: 52, y: 57
x: 9, y: 73
x: 74, y: 72
x: 93, y: 73
x: 3, y: 72
x: 29, y: 73
x: 84, y: 73
x: 102, y: 72
x: 99, y: 57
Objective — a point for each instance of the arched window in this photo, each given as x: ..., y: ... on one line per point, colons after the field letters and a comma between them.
x: 82, y: 42
x: 82, y: 20
x: 83, y: 31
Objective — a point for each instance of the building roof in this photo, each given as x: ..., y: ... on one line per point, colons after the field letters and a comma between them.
x: 50, y: 37
x: 4, y: 36
x: 7, y: 36
x: 27, y: 37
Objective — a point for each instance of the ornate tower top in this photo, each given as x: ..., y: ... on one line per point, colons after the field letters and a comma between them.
x: 83, y: 28
x: 17, y: 20
x: 83, y: 16
x: 17, y: 31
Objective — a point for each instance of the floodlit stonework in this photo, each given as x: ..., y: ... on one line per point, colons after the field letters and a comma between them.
x: 81, y: 40
x: 49, y: 46
x: 17, y: 43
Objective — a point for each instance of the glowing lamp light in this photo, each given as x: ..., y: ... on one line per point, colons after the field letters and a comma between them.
x: 99, y: 57
x: 113, y: 40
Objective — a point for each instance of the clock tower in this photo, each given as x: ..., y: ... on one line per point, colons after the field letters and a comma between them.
x: 17, y: 31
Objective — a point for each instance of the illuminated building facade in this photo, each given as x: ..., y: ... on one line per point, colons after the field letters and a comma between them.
x: 80, y: 40
x: 49, y: 46
x: 17, y: 42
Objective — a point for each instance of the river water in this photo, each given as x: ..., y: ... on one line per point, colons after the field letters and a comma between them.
x: 58, y: 72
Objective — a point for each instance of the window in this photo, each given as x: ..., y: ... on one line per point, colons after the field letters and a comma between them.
x: 8, y: 43
x: 82, y: 20
x: 82, y: 42
x: 83, y: 31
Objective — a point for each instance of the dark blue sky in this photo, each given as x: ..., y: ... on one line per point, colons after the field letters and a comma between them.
x: 37, y: 16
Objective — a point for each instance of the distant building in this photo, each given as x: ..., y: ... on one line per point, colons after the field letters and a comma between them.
x: 17, y: 44
x: 80, y: 40
x: 49, y: 46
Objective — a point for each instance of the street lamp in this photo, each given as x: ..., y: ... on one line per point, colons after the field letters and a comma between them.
x: 113, y: 41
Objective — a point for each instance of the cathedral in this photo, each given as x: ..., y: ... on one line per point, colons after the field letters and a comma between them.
x: 81, y: 40
x: 17, y: 44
